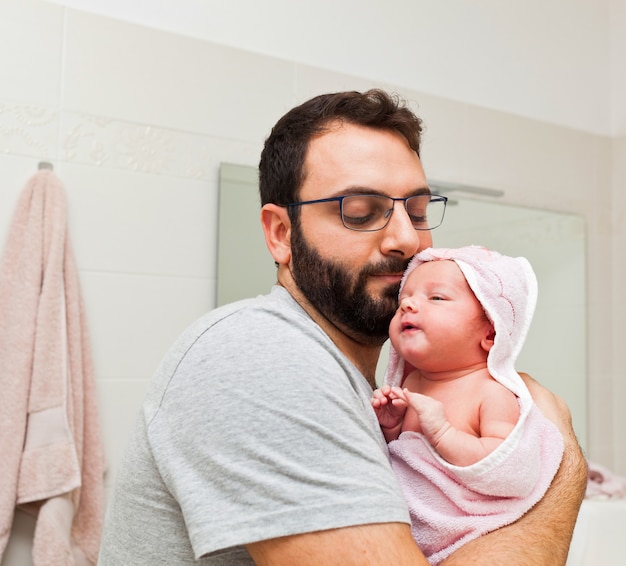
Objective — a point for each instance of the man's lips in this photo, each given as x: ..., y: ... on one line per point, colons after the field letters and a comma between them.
x: 392, y: 278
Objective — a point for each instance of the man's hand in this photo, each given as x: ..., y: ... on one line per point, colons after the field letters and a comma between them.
x: 543, y: 535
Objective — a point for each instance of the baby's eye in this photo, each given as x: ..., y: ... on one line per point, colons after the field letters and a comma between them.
x: 437, y: 298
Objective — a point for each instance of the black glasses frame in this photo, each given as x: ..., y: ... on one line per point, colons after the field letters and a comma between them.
x: 388, y: 213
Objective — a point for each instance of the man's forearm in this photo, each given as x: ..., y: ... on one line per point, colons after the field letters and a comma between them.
x: 543, y: 535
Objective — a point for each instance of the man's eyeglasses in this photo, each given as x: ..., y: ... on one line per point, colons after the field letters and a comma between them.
x: 368, y: 213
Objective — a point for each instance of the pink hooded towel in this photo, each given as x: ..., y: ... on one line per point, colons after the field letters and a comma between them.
x: 451, y: 505
x: 52, y: 461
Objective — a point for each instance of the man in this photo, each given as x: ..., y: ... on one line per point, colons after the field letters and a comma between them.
x: 257, y: 443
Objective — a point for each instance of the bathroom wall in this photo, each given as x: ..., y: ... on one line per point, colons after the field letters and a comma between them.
x: 612, y: 392
x: 458, y: 49
x: 617, y: 382
x: 136, y: 122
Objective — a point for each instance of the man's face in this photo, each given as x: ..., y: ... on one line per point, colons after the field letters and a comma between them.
x: 340, y: 294
x: 352, y: 277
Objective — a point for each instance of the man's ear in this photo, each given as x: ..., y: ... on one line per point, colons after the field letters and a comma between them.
x: 277, y: 229
x: 487, y: 342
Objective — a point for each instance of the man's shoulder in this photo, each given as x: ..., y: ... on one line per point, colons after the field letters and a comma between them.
x: 276, y: 304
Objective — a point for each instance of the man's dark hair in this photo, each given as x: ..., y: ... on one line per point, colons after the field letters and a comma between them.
x: 281, y: 169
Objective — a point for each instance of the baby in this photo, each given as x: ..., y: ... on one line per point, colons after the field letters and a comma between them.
x: 469, y: 446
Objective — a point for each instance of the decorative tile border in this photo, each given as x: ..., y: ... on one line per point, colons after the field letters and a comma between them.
x: 101, y: 141
x: 28, y: 130
x: 76, y: 137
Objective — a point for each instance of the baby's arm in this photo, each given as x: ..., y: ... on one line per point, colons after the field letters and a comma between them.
x: 461, y: 448
x: 390, y: 411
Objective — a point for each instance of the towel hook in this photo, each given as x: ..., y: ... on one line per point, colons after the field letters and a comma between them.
x: 45, y: 165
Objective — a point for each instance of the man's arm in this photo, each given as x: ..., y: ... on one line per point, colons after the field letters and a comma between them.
x: 543, y: 535
x: 364, y: 545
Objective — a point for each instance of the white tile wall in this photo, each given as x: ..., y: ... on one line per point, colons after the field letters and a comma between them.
x: 119, y: 400
x: 31, y: 35
x: 130, y: 222
x: 137, y: 121
x: 26, y: 129
x: 142, y: 75
x: 619, y: 300
x: 135, y: 318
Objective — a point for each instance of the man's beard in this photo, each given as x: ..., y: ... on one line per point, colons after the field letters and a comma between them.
x: 341, y: 295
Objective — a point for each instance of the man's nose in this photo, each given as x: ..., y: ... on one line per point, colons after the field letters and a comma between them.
x: 400, y: 237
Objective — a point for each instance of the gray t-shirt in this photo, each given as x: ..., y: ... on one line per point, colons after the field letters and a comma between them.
x: 256, y: 427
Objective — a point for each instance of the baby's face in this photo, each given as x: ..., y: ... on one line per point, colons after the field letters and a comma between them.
x: 439, y: 319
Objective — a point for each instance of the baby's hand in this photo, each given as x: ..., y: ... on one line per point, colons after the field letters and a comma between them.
x: 388, y: 406
x: 430, y: 412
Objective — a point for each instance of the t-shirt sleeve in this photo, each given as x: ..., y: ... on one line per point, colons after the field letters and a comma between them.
x: 262, y: 434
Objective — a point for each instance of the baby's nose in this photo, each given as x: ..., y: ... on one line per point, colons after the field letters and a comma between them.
x: 407, y: 304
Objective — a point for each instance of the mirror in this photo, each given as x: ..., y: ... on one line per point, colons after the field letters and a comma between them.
x: 245, y: 267
x: 553, y: 242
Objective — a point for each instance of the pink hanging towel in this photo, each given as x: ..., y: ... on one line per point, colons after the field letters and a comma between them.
x: 52, y: 461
